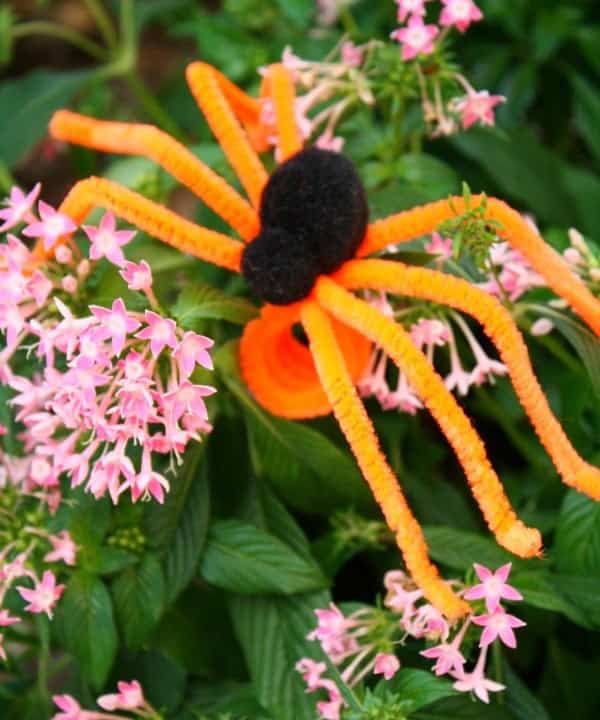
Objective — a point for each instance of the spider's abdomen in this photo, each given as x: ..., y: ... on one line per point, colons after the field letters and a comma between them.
x: 313, y: 216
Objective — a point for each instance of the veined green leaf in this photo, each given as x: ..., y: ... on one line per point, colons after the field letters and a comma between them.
x: 199, y: 301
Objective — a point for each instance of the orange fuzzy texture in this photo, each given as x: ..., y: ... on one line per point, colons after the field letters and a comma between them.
x: 153, y: 219
x: 498, y: 324
x: 206, y: 88
x: 356, y: 426
x: 509, y: 531
x: 150, y: 142
x: 542, y: 257
x: 279, y: 371
x: 280, y: 88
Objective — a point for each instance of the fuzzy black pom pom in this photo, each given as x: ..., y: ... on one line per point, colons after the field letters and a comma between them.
x: 313, y: 217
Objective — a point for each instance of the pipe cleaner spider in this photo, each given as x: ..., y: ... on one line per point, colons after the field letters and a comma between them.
x: 307, y: 232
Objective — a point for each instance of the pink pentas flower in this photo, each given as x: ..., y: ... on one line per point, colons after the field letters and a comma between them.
x: 107, y: 241
x: 6, y: 619
x: 71, y: 709
x: 439, y: 246
x: 160, y: 331
x: 416, y: 39
x: 116, y: 323
x: 138, y: 276
x: 331, y: 709
x: 410, y: 7
x: 460, y: 14
x: 40, y: 287
x: 447, y: 656
x: 129, y: 697
x: 478, y: 107
x: 63, y: 548
x: 18, y: 207
x: 44, y: 595
x: 51, y: 227
x: 192, y: 350
x: 493, y: 587
x: 351, y: 54
x: 187, y: 398
x: 498, y: 624
x: 148, y: 483
x: 311, y: 672
x: 476, y: 681
x: 387, y: 665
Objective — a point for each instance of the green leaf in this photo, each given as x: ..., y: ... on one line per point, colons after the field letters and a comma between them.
x: 242, y: 558
x: 298, y: 11
x: 587, y: 113
x: 28, y: 103
x: 110, y: 560
x: 227, y: 697
x: 198, y: 302
x: 272, y: 632
x: 304, y: 466
x: 86, y: 625
x: 577, y: 542
x: 463, y: 708
x: 418, y: 688
x: 139, y: 599
x: 89, y: 519
x: 520, y: 700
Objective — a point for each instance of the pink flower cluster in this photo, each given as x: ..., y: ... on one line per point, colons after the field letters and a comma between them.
x: 109, y: 378
x: 363, y: 642
x: 130, y: 698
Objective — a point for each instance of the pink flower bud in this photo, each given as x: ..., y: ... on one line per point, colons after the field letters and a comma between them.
x: 63, y: 254
x: 69, y: 284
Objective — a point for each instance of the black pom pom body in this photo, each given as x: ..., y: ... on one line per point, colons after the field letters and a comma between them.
x: 313, y: 217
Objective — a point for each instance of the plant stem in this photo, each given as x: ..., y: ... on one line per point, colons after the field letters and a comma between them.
x: 104, y: 23
x: 349, y: 23
x: 68, y: 35
x: 43, y: 657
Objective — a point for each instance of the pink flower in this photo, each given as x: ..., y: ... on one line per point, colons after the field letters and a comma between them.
x: 476, y: 681
x: 429, y: 332
x: 442, y: 247
x: 51, y: 227
x: 148, y: 483
x: 44, y: 596
x: 386, y: 665
x: 460, y: 13
x: 328, y: 141
x: 160, y: 332
x: 129, y: 697
x: 191, y: 350
x: 447, y: 656
x: 498, y: 624
x: 402, y: 594
x: 416, y: 38
x: 116, y: 323
x: 6, y: 620
x: 137, y: 276
x: 311, y: 673
x: 39, y: 286
x: 478, y: 107
x: 351, y: 54
x: 410, y: 7
x: 187, y: 398
x: 63, y: 548
x: 107, y: 241
x: 18, y: 207
x: 330, y: 710
x: 493, y: 587
x: 71, y: 709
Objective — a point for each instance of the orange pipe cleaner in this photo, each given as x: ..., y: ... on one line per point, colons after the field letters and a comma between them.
x: 280, y: 88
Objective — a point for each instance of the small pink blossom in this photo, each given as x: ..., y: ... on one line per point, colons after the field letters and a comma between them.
x: 63, y: 254
x: 44, y: 596
x: 18, y: 207
x: 498, y: 624
x: 387, y: 665
x: 439, y: 246
x: 6, y: 619
x: 129, y: 697
x: 460, y: 14
x: 416, y: 39
x: 311, y: 672
x: 71, y: 709
x: 478, y: 107
x: 69, y: 284
x: 51, y: 227
x: 138, y: 276
x: 39, y: 286
x: 328, y: 141
x: 192, y: 350
x: 447, y: 656
x: 160, y: 332
x: 107, y: 241
x: 330, y: 710
x: 493, y: 587
x: 476, y: 681
x: 148, y: 483
x: 410, y: 7
x: 351, y: 54
x: 63, y: 548
x: 116, y: 323
x: 187, y: 398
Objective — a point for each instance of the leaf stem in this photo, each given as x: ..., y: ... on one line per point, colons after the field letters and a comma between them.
x: 67, y: 34
x: 103, y: 22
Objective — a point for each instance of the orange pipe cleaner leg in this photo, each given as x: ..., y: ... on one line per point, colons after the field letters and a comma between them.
x: 149, y: 141
x: 498, y: 324
x: 357, y: 428
x: 510, y: 532
x: 205, y: 87
x: 280, y: 88
x: 154, y: 219
x: 425, y: 219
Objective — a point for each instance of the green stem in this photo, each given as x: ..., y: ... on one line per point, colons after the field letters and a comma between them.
x: 349, y: 23
x: 68, y: 35
x: 151, y: 105
x: 43, y: 658
x: 104, y: 23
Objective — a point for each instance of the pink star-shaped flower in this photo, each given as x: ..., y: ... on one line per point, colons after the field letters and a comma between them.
x: 447, y: 656
x: 498, y: 624
x: 63, y: 548
x: 44, y: 595
x: 187, y: 398
x: 478, y: 107
x: 148, y: 482
x: 191, y: 350
x: 160, y: 332
x: 311, y: 672
x: 51, y: 227
x: 6, y: 619
x: 71, y: 709
x: 138, y: 276
x: 476, y: 682
x: 460, y: 14
x: 442, y: 247
x: 107, y: 241
x: 493, y: 587
x: 387, y: 665
x: 18, y: 207
x: 410, y: 7
x: 416, y: 38
x: 116, y: 323
x: 129, y: 697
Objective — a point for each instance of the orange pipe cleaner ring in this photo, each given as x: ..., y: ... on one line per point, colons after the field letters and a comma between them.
x: 304, y: 263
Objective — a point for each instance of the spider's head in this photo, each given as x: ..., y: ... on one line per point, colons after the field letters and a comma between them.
x: 313, y: 217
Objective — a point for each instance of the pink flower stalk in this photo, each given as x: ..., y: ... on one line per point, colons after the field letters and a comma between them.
x: 138, y: 276
x: 19, y: 207
x: 439, y: 246
x: 44, y: 596
x: 107, y: 241
x: 63, y: 548
x: 129, y: 697
x: 410, y: 7
x: 386, y: 665
x: 459, y: 14
x: 493, y: 587
x: 478, y: 107
x: 52, y: 226
x: 416, y: 39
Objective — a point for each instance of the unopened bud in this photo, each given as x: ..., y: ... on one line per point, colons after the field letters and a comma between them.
x: 573, y: 256
x: 542, y: 326
x: 69, y: 284
x: 577, y: 241
x: 83, y: 268
x: 63, y: 254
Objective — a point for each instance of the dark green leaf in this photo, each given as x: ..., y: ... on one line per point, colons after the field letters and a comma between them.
x: 577, y: 543
x: 242, y: 558
x: 139, y: 599
x: 587, y: 113
x: 110, y: 560
x: 6, y: 39
x: 418, y: 688
x: 463, y: 708
x: 521, y: 701
x: 86, y: 625
x: 298, y: 11
x: 199, y: 302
